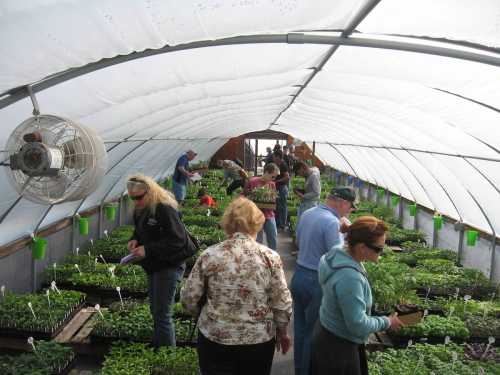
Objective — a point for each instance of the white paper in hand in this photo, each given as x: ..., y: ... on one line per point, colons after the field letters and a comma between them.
x: 196, y: 177
x: 131, y: 258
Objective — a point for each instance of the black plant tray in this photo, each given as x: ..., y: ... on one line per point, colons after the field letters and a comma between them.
x: 103, y: 292
x: 68, y: 368
x: 111, y: 339
x: 40, y: 335
x: 402, y: 341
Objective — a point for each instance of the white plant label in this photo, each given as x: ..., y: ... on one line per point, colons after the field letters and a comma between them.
x: 100, y: 256
x: 467, y: 298
x: 426, y: 312
x: 98, y: 308
x: 31, y: 341
x: 118, y: 289
x: 457, y: 290
x: 454, y: 356
x: 491, y: 340
x: 91, y: 242
x: 53, y: 286
x: 410, y: 343
x: 452, y: 310
x: 106, y: 233
x: 31, y: 308
x: 48, y: 296
x: 2, y: 289
x: 54, y: 266
x: 77, y: 250
x: 78, y: 268
x: 447, y: 340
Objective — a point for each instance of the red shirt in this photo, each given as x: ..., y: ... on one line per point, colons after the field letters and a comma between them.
x: 207, y: 200
x: 256, y: 182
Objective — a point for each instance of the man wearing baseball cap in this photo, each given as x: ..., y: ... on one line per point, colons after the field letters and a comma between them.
x: 317, y: 232
x: 182, y: 175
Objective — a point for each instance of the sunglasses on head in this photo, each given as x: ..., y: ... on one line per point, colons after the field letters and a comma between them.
x: 137, y: 197
x: 376, y: 248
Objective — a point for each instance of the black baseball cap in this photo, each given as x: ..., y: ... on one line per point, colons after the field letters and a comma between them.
x: 344, y: 192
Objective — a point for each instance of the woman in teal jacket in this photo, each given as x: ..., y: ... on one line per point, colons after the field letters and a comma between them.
x: 345, y: 322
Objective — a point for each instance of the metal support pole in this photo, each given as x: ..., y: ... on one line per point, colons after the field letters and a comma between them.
x: 33, y: 275
x: 120, y: 209
x: 369, y: 194
x: 493, y: 255
x: 256, y: 156
x: 244, y: 153
x: 388, y: 199
x: 314, y: 151
x: 415, y: 219
x: 401, y: 207
x: 459, y: 226
x: 435, y: 235
x: 99, y: 222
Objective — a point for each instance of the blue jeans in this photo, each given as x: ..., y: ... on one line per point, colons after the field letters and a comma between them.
x: 179, y: 190
x: 271, y: 233
x: 306, y: 294
x: 304, y: 206
x: 161, y: 292
x: 281, y: 206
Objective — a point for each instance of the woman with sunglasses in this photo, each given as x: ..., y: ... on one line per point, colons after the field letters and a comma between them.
x: 158, y: 230
x: 344, y: 319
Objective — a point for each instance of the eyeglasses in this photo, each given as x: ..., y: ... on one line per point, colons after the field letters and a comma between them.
x: 137, y: 197
x: 377, y: 249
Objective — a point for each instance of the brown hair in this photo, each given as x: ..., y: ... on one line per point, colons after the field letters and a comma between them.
x: 271, y: 168
x: 365, y: 229
x: 242, y: 215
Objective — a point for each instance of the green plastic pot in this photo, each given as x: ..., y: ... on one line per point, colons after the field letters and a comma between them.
x: 38, y: 248
x: 83, y: 225
x: 438, y: 222
x: 380, y: 193
x: 472, y: 237
x: 395, y: 200
x: 110, y: 211
x: 413, y: 209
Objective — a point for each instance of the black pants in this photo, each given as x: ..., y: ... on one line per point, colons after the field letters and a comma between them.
x: 217, y: 359
x: 234, y: 185
x: 334, y: 355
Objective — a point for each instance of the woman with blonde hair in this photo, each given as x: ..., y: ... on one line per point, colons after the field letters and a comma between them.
x: 158, y: 232
x: 240, y: 287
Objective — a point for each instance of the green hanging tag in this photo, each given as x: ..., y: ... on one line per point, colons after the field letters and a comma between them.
x: 413, y: 209
x: 438, y: 222
x: 38, y: 248
x: 380, y: 192
x: 472, y: 237
x: 395, y: 200
x: 110, y: 211
x: 83, y: 225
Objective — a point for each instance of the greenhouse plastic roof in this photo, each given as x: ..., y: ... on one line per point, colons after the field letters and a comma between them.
x: 403, y: 94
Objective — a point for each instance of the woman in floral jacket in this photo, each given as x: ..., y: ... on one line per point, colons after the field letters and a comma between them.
x: 240, y: 287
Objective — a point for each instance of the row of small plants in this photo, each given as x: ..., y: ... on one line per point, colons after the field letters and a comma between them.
x: 42, y: 314
x: 140, y: 359
x: 47, y: 358
x: 425, y: 359
x: 132, y: 320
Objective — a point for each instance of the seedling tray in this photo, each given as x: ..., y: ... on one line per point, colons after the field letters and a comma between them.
x: 41, y: 335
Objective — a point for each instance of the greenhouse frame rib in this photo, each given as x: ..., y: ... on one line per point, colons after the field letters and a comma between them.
x: 19, y: 93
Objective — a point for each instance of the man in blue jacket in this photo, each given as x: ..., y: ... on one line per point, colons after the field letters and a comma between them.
x: 317, y: 232
x: 182, y: 175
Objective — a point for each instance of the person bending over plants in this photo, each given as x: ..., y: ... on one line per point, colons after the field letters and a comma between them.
x: 158, y: 233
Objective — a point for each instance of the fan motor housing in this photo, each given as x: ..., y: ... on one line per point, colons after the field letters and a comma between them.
x: 38, y: 159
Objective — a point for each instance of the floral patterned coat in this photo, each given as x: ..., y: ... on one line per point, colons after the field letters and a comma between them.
x: 246, y: 292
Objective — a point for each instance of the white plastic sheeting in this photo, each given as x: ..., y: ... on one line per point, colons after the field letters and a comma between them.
x: 423, y: 126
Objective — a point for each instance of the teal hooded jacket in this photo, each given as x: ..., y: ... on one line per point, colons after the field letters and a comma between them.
x: 347, y: 298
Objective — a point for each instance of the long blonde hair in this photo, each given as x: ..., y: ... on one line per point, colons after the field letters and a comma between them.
x: 155, y: 193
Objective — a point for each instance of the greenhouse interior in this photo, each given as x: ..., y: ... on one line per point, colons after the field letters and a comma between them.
x: 134, y: 132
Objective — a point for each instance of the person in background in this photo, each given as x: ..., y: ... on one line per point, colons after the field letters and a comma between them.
x: 269, y: 156
x: 344, y: 318
x: 247, y: 305
x: 205, y: 199
x: 271, y: 170
x: 182, y: 175
x: 234, y: 172
x: 281, y: 181
x: 317, y: 232
x: 277, y: 147
x: 158, y: 230
x: 312, y: 188
x: 288, y: 158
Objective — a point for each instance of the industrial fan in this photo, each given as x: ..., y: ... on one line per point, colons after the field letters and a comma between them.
x: 53, y: 159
